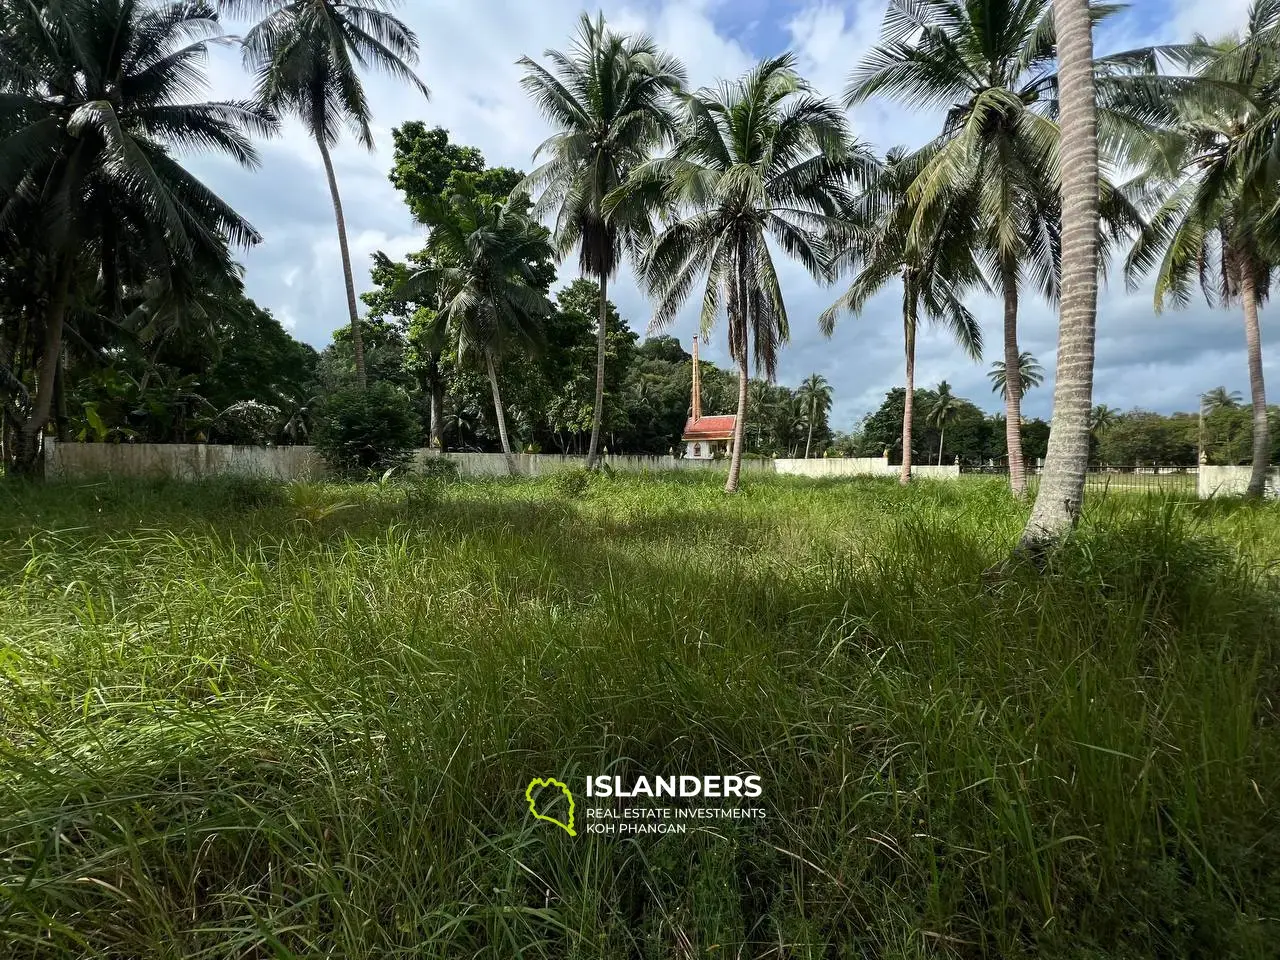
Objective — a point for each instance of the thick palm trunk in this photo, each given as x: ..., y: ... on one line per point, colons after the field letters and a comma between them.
x: 602, y: 333
x: 1257, y: 389
x: 497, y: 410
x: 735, y: 463
x: 27, y: 454
x: 1061, y: 493
x: 909, y: 338
x: 1013, y: 383
x: 357, y: 341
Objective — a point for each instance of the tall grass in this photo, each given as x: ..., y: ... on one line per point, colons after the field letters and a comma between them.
x: 245, y: 721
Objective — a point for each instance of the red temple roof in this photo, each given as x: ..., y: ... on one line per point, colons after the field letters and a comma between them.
x: 709, y: 428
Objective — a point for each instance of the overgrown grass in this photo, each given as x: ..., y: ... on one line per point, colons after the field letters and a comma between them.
x: 246, y: 721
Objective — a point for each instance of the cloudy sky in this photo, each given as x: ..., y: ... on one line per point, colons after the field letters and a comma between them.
x: 468, y: 54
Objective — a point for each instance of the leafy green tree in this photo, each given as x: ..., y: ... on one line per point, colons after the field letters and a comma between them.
x: 935, y: 269
x: 305, y: 57
x: 92, y: 111
x: 1142, y: 437
x: 363, y: 429
x: 759, y: 158
x: 609, y: 101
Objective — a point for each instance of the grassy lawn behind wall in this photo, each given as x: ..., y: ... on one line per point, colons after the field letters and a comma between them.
x: 243, y: 720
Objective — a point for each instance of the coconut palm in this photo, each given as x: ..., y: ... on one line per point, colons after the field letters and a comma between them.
x: 1030, y: 375
x: 610, y: 98
x: 1061, y: 492
x: 760, y: 158
x: 1210, y: 225
x: 992, y: 69
x: 815, y: 394
x: 92, y: 112
x: 942, y: 411
x: 1220, y: 398
x: 483, y: 270
x: 935, y: 269
x: 305, y: 56
x: 1101, y: 419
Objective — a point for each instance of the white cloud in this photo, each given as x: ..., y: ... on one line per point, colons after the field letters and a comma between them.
x: 469, y: 53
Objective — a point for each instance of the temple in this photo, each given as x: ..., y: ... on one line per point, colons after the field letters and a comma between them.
x: 705, y: 438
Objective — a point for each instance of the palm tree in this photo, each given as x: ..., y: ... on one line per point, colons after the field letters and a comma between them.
x: 1101, y: 419
x: 941, y: 412
x: 1030, y: 375
x: 815, y: 393
x: 91, y: 114
x: 935, y: 271
x: 1220, y: 398
x: 305, y: 56
x: 760, y: 158
x: 483, y: 268
x: 1061, y: 493
x: 991, y: 68
x: 1210, y: 224
x: 609, y: 97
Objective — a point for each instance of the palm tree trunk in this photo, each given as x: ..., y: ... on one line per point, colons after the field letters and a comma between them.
x: 735, y: 463
x: 497, y: 409
x: 1061, y: 493
x: 942, y: 435
x: 1257, y: 389
x: 602, y: 333
x: 437, y: 415
x: 1013, y: 383
x: 357, y: 341
x: 26, y: 456
x: 809, y: 440
x: 909, y: 338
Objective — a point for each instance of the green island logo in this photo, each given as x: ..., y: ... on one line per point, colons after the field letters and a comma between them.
x: 538, y: 782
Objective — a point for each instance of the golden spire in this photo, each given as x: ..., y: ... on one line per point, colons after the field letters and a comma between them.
x: 696, y: 407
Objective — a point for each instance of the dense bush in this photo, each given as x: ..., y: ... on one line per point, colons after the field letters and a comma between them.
x: 359, y: 431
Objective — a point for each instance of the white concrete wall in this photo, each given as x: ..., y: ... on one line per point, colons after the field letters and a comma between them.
x: 182, y: 461
x: 189, y: 461
x: 860, y: 467
x: 1232, y: 482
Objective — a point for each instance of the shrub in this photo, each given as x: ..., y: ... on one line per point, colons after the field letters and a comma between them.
x: 248, y: 423
x: 440, y: 468
x: 363, y: 431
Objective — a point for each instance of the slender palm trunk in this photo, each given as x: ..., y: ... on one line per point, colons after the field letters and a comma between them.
x: 357, y: 341
x: 26, y: 458
x: 809, y: 440
x: 1257, y: 389
x: 909, y: 338
x: 1061, y: 493
x: 437, y: 415
x: 942, y: 435
x: 497, y: 409
x: 735, y: 463
x: 602, y: 333
x: 1013, y: 383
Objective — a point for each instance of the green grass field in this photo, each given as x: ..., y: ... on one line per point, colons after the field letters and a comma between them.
x: 249, y: 721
